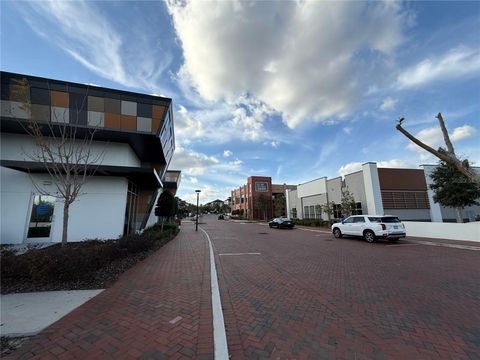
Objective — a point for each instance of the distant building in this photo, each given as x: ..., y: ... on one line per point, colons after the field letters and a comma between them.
x: 247, y: 202
x: 401, y: 192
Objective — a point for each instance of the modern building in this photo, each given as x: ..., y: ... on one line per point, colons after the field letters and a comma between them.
x: 255, y: 199
x: 133, y: 140
x: 401, y: 192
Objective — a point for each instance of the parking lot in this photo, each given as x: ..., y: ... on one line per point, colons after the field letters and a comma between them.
x: 303, y: 294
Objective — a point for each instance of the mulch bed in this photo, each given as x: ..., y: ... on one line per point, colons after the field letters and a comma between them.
x: 10, y: 344
x: 101, y: 279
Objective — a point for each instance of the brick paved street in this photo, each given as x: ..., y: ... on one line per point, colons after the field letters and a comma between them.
x: 286, y: 294
x: 308, y: 296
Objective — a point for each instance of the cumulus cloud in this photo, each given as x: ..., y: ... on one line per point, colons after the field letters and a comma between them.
x: 191, y: 162
x: 227, y: 153
x: 388, y: 104
x: 222, y: 123
x: 298, y: 58
x: 456, y: 63
x: 393, y: 163
x: 433, y: 136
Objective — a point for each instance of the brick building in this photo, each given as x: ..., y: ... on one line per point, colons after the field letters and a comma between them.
x: 247, y: 199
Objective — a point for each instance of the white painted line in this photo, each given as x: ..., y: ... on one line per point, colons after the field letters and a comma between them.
x: 177, y: 319
x: 404, y: 245
x: 235, y: 254
x: 317, y: 231
x: 219, y: 333
x: 463, y: 247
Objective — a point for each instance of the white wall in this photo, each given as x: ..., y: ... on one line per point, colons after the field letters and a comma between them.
x: 98, y: 213
x: 314, y: 187
x: 372, y: 189
x: 452, y: 231
x: 18, y: 147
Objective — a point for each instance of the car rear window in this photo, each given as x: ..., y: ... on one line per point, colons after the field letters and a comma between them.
x: 374, y: 219
x: 390, y: 219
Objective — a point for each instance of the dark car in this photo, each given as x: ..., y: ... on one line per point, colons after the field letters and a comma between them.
x: 221, y: 217
x: 282, y: 223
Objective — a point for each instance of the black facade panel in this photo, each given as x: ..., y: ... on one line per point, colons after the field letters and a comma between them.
x: 39, y: 96
x: 144, y: 110
x: 5, y: 91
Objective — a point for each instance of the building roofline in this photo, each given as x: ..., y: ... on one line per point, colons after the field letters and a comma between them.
x: 306, y: 182
x: 93, y: 87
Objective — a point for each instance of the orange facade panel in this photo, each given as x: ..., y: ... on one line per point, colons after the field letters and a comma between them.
x: 157, y: 111
x: 156, y: 125
x: 59, y: 98
x: 112, y: 121
x: 129, y: 122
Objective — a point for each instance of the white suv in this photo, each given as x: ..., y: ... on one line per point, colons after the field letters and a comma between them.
x: 370, y: 227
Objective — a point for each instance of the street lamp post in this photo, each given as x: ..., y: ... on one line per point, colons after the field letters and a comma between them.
x: 196, y: 220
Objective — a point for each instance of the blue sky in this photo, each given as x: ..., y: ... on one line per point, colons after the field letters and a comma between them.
x: 291, y: 90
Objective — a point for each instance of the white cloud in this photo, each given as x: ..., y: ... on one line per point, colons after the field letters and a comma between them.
x: 456, y: 63
x: 222, y: 123
x: 393, y: 163
x: 227, y: 153
x: 275, y: 144
x: 347, y: 130
x: 80, y: 29
x: 281, y: 53
x: 192, y: 163
x: 388, y: 104
x: 193, y: 180
x: 463, y: 132
x: 433, y: 136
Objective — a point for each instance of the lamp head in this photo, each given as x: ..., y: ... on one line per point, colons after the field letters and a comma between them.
x: 197, y: 191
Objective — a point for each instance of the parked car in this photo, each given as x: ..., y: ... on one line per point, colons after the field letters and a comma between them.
x: 282, y: 222
x: 370, y: 227
x: 220, y: 217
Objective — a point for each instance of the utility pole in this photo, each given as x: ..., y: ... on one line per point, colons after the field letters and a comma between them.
x: 196, y: 219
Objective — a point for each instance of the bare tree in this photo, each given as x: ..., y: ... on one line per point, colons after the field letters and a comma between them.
x: 447, y: 155
x: 63, y: 149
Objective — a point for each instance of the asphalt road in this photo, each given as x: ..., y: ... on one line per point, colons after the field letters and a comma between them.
x: 301, y: 294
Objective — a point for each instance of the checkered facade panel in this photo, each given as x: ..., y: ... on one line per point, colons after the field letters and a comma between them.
x: 26, y: 101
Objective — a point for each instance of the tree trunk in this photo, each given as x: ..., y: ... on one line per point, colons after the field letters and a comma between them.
x: 66, y: 206
x: 459, y: 215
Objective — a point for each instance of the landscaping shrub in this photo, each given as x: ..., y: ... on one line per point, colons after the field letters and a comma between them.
x: 80, y: 260
x: 311, y: 222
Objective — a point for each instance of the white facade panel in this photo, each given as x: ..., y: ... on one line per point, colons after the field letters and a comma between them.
x: 372, y: 189
x: 314, y: 187
x: 17, y: 147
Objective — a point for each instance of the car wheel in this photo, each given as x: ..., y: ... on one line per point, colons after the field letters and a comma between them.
x: 369, y: 236
x: 337, y: 233
x: 271, y: 226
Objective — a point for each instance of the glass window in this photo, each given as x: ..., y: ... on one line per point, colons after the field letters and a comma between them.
x: 359, y: 219
x: 306, y: 214
x: 41, y: 217
x: 294, y: 213
x: 390, y: 219
x: 348, y: 220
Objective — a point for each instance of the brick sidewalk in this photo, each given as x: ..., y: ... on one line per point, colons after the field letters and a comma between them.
x: 161, y: 308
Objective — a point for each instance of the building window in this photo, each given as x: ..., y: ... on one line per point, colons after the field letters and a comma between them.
x: 131, y: 209
x: 294, y: 213
x: 405, y: 200
x: 306, y: 212
x: 357, y: 209
x: 318, y: 212
x: 337, y: 211
x: 41, y: 217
